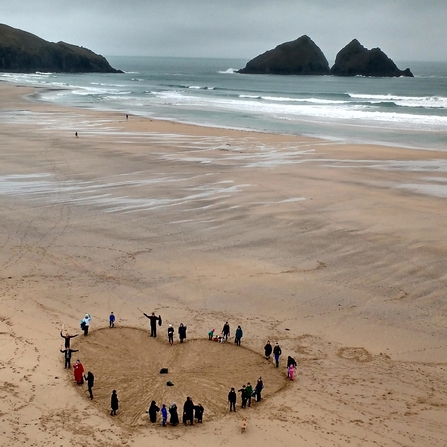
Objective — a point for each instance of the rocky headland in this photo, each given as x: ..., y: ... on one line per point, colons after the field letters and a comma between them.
x: 24, y: 52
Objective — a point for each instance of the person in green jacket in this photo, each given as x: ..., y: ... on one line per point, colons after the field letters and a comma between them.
x: 249, y: 392
x: 238, y: 336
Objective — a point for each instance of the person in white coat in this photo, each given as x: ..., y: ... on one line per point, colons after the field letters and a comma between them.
x: 85, y: 323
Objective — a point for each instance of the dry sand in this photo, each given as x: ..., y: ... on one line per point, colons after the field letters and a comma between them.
x: 336, y: 251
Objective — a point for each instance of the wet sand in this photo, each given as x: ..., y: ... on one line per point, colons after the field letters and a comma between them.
x: 336, y: 251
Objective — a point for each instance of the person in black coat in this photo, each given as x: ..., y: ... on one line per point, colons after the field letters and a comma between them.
x: 268, y: 350
x: 244, y: 396
x: 67, y: 354
x: 90, y: 378
x: 67, y: 338
x: 198, y: 412
x: 153, y: 321
x: 153, y: 409
x: 174, y: 415
x: 188, y: 411
x: 113, y: 403
x: 182, y: 332
x: 226, y: 331
x: 232, y: 399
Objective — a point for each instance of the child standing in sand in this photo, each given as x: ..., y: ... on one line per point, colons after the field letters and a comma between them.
x: 164, y: 415
x: 112, y: 320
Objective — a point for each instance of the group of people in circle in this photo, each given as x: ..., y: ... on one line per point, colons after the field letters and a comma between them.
x: 190, y: 411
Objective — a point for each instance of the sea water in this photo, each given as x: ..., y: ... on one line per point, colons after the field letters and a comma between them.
x: 404, y: 112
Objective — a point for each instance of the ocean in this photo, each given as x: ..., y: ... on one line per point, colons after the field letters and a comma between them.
x: 403, y: 112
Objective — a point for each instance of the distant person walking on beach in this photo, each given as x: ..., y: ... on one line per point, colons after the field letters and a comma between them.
x: 277, y: 353
x: 268, y: 350
x: 113, y: 403
x: 67, y: 354
x: 153, y: 410
x: 226, y: 331
x: 90, y: 378
x: 78, y: 371
x: 85, y: 323
x: 232, y: 399
x: 182, y: 332
x: 153, y: 322
x: 67, y: 338
x: 111, y: 320
x: 238, y: 336
x: 171, y: 335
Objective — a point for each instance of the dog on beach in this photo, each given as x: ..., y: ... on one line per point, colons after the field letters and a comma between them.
x: 244, y: 425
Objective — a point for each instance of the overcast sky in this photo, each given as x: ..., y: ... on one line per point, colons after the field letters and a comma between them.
x: 406, y: 30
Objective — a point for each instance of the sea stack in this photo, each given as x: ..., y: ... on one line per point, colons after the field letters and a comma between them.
x: 299, y: 57
x: 356, y: 60
x: 23, y: 52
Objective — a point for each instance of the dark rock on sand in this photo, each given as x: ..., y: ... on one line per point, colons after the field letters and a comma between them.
x: 355, y: 60
x: 300, y: 57
x: 24, y: 52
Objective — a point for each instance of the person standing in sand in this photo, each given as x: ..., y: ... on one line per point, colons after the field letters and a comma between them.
x: 67, y: 338
x: 232, y: 399
x: 85, y: 324
x: 259, y: 387
x: 174, y: 414
x: 153, y: 410
x: 268, y: 350
x: 238, y: 336
x: 153, y: 322
x: 226, y: 331
x: 198, y: 413
x: 249, y: 392
x: 188, y: 411
x: 182, y: 332
x: 111, y: 320
x: 78, y: 371
x: 113, y: 403
x: 243, y: 392
x: 171, y: 335
x: 90, y: 378
x: 164, y: 415
x: 67, y: 352
x: 277, y: 353
x: 290, y: 362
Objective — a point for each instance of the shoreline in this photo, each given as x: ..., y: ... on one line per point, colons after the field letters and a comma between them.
x: 330, y: 249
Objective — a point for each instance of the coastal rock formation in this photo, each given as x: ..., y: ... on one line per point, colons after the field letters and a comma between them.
x: 354, y: 59
x: 24, y: 52
x: 299, y: 57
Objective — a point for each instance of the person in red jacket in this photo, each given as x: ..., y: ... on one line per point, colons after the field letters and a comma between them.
x: 78, y: 371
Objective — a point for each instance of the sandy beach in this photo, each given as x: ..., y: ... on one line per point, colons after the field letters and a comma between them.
x: 335, y: 251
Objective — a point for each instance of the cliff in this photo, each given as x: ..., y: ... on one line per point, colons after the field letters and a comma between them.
x: 24, y: 52
x: 354, y: 59
x: 299, y: 57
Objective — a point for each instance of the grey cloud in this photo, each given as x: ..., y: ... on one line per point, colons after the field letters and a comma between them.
x: 405, y: 29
